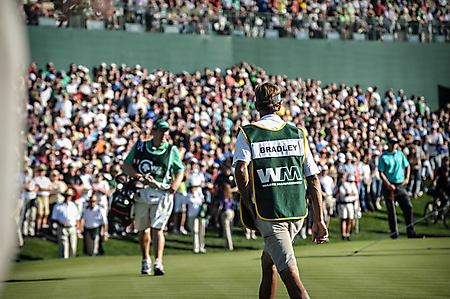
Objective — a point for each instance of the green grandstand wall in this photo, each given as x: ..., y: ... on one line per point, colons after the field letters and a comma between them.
x: 418, y: 68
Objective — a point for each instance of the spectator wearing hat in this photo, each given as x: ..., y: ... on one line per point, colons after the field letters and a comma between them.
x: 43, y: 206
x: 66, y: 215
x: 74, y: 182
x: 95, y: 225
x: 347, y: 200
x: 392, y: 165
x: 156, y: 160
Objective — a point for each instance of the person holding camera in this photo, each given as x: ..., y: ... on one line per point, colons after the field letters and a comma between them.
x: 156, y: 160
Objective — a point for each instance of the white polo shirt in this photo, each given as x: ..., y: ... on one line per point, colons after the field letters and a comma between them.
x: 242, y: 151
x: 95, y: 217
x: 43, y: 182
x: 66, y: 213
x: 327, y: 184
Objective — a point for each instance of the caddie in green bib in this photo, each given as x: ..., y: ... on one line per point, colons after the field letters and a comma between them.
x: 277, y: 179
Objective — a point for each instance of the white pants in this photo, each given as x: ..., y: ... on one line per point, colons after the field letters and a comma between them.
x: 226, y: 219
x: 29, y: 219
x: 197, y: 227
x: 67, y: 241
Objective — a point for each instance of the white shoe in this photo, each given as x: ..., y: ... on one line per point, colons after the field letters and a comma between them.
x: 303, y: 233
x: 183, y: 231
x: 196, y: 250
x: 420, y: 194
x: 146, y: 268
x: 378, y: 205
x: 202, y: 250
x: 158, y: 268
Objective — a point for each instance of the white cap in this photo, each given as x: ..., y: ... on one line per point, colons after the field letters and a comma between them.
x: 351, y: 178
x: 324, y: 167
x: 376, y: 153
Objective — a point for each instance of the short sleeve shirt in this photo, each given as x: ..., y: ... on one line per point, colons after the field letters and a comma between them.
x: 392, y: 165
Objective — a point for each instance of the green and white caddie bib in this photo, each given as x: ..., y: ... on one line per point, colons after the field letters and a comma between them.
x: 157, y: 164
x: 277, y: 179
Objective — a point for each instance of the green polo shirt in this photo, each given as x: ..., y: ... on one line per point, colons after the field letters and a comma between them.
x: 392, y: 165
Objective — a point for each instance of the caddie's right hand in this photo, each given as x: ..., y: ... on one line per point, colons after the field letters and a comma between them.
x: 148, y: 179
x: 319, y: 232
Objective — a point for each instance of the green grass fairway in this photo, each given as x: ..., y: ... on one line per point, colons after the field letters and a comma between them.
x: 405, y: 268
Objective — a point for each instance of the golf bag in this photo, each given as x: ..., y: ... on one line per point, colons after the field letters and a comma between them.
x: 122, y: 200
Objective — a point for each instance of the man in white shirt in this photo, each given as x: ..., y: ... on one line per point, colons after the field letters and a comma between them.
x: 62, y: 141
x: 95, y: 226
x: 345, y: 205
x: 66, y: 215
x: 327, y: 183
x: 435, y: 140
x: 43, y: 209
x: 278, y: 254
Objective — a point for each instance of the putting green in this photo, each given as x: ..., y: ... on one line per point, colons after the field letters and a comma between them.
x: 389, y: 269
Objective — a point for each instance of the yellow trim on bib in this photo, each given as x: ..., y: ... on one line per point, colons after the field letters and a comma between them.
x: 267, y: 128
x: 253, y: 175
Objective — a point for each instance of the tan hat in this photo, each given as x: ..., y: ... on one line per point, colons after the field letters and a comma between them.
x: 42, y: 167
x: 93, y: 198
x: 69, y: 192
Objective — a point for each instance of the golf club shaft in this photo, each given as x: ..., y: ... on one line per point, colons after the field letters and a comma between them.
x: 385, y: 237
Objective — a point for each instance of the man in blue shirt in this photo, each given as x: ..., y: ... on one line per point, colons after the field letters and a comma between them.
x: 392, y: 165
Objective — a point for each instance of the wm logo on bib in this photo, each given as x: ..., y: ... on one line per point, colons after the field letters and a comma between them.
x: 280, y: 176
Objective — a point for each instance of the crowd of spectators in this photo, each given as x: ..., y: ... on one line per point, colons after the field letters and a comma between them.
x: 318, y: 17
x: 85, y: 122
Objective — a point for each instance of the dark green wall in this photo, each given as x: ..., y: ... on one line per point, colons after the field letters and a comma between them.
x: 417, y: 68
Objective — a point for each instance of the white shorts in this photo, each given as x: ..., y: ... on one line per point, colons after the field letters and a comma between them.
x: 153, y: 215
x: 180, y: 201
x: 278, y: 237
x: 346, y: 210
x: 329, y: 204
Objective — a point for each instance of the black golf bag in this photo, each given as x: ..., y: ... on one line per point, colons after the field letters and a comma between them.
x: 122, y: 200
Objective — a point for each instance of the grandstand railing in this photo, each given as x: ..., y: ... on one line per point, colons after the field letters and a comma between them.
x: 248, y: 24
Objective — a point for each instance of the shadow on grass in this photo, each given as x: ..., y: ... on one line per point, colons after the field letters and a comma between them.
x: 33, y: 280
x: 23, y: 257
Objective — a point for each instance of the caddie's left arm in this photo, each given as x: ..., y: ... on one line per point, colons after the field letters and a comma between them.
x: 319, y: 229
